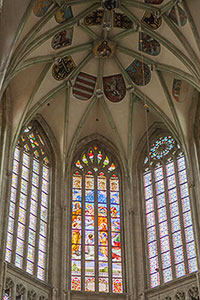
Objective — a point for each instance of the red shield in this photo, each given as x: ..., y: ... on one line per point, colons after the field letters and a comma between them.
x: 114, y: 87
x: 176, y: 89
x: 84, y: 86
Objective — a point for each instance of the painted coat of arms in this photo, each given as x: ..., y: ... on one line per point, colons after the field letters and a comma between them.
x: 84, y: 86
x: 62, y: 39
x: 181, y: 16
x: 122, y: 21
x: 154, y: 1
x: 63, y: 68
x: 152, y: 20
x: 63, y: 14
x: 148, y: 45
x: 114, y: 87
x: 139, y: 72
x: 176, y: 89
x: 104, y: 49
x: 41, y: 6
x: 94, y: 18
x: 110, y: 4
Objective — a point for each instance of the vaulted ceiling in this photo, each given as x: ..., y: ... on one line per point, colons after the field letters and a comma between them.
x: 106, y: 67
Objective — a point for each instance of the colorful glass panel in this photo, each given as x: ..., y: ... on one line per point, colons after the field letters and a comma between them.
x: 76, y: 283
x: 95, y: 223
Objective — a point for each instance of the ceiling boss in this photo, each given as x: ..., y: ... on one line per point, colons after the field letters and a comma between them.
x: 104, y: 49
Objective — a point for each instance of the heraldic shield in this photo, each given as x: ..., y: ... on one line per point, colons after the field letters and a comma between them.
x: 63, y: 68
x: 41, y: 6
x: 84, y: 86
x: 151, y: 20
x: 114, y: 87
x: 62, y: 39
x: 178, y: 16
x: 139, y: 72
x: 176, y: 89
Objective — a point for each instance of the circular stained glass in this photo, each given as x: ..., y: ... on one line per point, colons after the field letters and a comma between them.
x: 162, y: 147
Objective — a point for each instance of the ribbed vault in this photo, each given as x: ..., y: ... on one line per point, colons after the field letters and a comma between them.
x: 156, y: 41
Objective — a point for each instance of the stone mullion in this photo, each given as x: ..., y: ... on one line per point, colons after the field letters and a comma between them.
x: 181, y: 215
x: 14, y: 242
x: 157, y: 227
x: 83, y: 235
x: 109, y: 236
x: 38, y: 220
x: 47, y: 224
x: 169, y: 223
x: 28, y: 202
x: 96, y: 260
x: 145, y: 222
x: 122, y: 236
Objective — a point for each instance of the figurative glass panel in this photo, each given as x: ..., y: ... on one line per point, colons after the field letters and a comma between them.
x: 167, y: 207
x: 96, y: 255
x: 28, y: 211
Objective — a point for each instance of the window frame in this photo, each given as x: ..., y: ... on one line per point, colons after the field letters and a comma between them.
x: 174, y: 155
x: 46, y: 146
x: 96, y: 260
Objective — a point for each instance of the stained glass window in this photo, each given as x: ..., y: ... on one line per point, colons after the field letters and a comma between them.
x: 96, y: 257
x: 6, y: 295
x: 169, y: 229
x: 26, y: 245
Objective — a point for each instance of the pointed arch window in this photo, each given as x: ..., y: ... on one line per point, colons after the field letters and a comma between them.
x: 169, y: 227
x: 26, y: 245
x: 96, y: 259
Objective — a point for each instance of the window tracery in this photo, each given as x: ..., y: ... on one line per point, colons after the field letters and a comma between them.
x: 169, y: 227
x: 26, y: 245
x: 96, y: 259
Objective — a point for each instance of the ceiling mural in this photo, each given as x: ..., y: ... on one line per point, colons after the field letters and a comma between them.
x: 110, y: 54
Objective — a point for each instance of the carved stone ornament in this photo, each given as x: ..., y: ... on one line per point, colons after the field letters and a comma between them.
x: 104, y: 49
x: 193, y: 293
x: 179, y: 296
x: 167, y: 298
x: 9, y: 283
x: 31, y: 295
x: 42, y: 298
x: 20, y: 289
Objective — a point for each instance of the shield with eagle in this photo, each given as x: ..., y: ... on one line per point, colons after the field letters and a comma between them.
x: 122, y: 21
x: 139, y: 72
x: 94, y: 18
x: 84, y: 86
x: 151, y: 19
x: 114, y: 87
x: 41, y: 6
